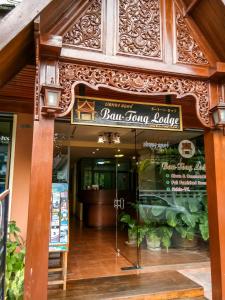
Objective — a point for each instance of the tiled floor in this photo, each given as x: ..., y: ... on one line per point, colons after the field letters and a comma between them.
x: 92, y: 254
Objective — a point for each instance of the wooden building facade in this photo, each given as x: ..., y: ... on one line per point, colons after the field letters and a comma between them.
x: 139, y: 48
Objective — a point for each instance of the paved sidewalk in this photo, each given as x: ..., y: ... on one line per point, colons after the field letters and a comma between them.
x: 201, y: 276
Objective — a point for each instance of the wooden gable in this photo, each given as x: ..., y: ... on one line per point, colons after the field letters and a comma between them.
x: 136, y: 34
x: 86, y: 31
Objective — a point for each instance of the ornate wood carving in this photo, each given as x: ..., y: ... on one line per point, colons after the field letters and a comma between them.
x: 188, y: 50
x: 139, y: 28
x: 86, y: 32
x: 131, y: 82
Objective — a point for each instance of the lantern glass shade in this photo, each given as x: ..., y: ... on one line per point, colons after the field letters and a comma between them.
x: 218, y: 114
x: 222, y: 115
x: 52, y: 98
x: 216, y: 117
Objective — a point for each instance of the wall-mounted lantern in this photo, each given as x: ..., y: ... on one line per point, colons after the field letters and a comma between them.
x: 218, y: 115
x: 51, y: 95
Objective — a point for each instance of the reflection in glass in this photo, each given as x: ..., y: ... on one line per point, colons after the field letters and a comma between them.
x: 169, y: 214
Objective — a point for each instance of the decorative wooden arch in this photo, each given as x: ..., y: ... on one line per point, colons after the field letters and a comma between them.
x: 131, y: 82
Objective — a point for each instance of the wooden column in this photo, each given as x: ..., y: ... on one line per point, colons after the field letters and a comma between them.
x: 36, y: 264
x: 215, y: 172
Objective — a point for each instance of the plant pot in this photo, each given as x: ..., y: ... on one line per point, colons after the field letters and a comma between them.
x: 179, y: 242
x: 153, y: 245
x: 132, y: 238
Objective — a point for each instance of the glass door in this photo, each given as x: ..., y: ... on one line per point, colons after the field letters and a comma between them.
x: 127, y: 219
x: 5, y: 147
x: 162, y: 217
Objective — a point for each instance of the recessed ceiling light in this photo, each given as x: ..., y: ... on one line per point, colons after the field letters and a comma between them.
x: 97, y: 149
x: 119, y: 155
x: 93, y: 152
x: 118, y: 150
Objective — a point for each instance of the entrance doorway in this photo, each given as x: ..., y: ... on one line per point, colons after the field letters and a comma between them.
x: 138, y: 205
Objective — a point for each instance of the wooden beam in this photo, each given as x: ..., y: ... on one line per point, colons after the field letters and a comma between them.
x: 215, y: 162
x: 218, y: 72
x: 36, y: 266
x: 190, y: 7
x: 50, y: 45
x: 12, y: 24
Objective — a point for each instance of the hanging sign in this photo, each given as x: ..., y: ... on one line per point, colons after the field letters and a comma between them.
x: 116, y: 113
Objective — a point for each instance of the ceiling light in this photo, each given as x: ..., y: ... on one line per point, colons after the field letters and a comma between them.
x: 93, y: 152
x: 101, y: 139
x: 119, y: 155
x: 109, y: 137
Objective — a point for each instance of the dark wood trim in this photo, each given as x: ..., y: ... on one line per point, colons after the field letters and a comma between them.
x: 190, y: 7
x: 132, y: 63
x: 36, y: 267
x: 19, y: 18
x: 215, y: 161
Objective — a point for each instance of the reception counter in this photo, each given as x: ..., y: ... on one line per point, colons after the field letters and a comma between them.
x: 98, y: 207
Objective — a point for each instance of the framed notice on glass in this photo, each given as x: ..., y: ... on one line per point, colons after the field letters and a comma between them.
x: 119, y: 113
x: 59, y: 225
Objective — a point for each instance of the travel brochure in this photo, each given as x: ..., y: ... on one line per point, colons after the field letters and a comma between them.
x: 59, y: 230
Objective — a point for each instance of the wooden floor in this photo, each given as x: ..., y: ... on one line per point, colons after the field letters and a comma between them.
x: 152, y: 286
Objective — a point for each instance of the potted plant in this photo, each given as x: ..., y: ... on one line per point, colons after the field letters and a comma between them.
x: 136, y: 232
x: 15, y: 256
x: 157, y: 236
x: 153, y: 239
x: 132, y: 228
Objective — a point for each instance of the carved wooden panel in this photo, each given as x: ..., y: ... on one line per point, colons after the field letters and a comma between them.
x: 87, y: 30
x: 188, y: 50
x: 140, y: 28
x: 131, y: 82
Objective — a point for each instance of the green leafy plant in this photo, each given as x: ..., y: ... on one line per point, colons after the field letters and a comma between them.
x: 195, y: 219
x: 203, y: 222
x: 131, y: 225
x: 136, y: 233
x: 153, y: 238
x: 159, y: 235
x: 15, y: 256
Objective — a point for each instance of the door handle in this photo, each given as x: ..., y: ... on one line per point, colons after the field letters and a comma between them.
x: 116, y: 204
x: 119, y: 203
x: 122, y: 203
